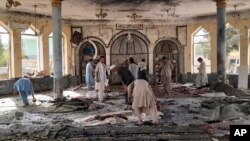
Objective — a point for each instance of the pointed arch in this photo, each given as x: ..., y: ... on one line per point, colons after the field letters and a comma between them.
x: 5, y: 27
x: 121, y: 47
x: 174, y: 51
x: 34, y: 29
x: 201, y: 48
x: 89, y: 47
x: 199, y: 29
x: 140, y: 35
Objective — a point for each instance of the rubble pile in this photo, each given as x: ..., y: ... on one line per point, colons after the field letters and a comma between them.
x: 196, y: 114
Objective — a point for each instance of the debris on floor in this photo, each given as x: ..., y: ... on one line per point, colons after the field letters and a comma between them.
x: 188, y: 113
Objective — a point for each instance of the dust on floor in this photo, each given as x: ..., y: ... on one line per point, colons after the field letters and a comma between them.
x: 183, y: 117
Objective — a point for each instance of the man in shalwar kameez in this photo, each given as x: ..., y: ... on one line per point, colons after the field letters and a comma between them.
x: 201, y: 78
x: 126, y: 77
x: 133, y: 67
x: 100, y: 78
x: 143, y: 99
x: 89, y: 76
x: 166, y: 73
x: 24, y: 87
x: 142, y: 72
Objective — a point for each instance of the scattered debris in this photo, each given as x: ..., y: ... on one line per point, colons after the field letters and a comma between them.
x: 218, y: 94
x: 81, y: 115
x: 18, y: 114
x: 77, y: 87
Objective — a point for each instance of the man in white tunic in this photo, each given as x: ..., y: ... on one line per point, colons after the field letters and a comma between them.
x: 166, y: 73
x: 143, y: 99
x: 100, y: 78
x: 201, y: 78
x: 133, y: 67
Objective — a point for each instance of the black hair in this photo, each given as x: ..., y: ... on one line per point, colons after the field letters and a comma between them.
x: 199, y: 59
x: 131, y: 60
x: 102, y: 57
x: 143, y: 60
x: 164, y: 58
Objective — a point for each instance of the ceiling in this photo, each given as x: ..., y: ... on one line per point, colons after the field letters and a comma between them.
x: 120, y: 9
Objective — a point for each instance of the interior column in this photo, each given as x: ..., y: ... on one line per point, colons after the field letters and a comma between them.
x: 57, y: 47
x: 221, y: 39
x: 16, y: 54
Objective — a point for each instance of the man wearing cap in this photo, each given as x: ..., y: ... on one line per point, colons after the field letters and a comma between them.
x: 126, y: 77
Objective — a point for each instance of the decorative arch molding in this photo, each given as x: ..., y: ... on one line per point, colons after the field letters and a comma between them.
x: 232, y: 25
x: 207, y: 27
x: 5, y: 26
x: 35, y: 29
x: 180, y: 50
x: 172, y: 39
x: 199, y: 28
x: 143, y: 37
x: 90, y: 39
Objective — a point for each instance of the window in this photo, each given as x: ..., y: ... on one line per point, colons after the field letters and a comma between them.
x: 30, y: 50
x: 249, y: 51
x: 202, y: 48
x: 233, y: 50
x: 4, y: 52
x: 51, y: 59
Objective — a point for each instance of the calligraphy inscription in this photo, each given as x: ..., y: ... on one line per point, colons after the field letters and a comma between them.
x: 129, y: 26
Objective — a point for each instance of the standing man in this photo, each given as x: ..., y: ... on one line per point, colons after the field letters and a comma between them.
x: 126, y: 77
x: 100, y: 78
x: 201, y: 78
x: 166, y: 72
x: 24, y: 87
x: 89, y: 74
x: 133, y: 67
x: 142, y: 72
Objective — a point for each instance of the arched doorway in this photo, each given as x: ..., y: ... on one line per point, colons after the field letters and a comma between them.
x: 90, y: 47
x: 126, y: 44
x: 173, y: 50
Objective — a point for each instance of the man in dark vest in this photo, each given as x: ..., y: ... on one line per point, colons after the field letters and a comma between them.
x: 126, y: 77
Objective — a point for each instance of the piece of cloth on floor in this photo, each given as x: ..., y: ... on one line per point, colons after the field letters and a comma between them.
x: 230, y: 112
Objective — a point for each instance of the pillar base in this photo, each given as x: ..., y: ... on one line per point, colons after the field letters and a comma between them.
x: 58, y: 88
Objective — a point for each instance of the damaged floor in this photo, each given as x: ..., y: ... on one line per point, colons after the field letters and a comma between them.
x: 185, y: 115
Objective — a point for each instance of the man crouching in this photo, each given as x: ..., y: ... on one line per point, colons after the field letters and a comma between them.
x: 24, y: 87
x: 143, y: 99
